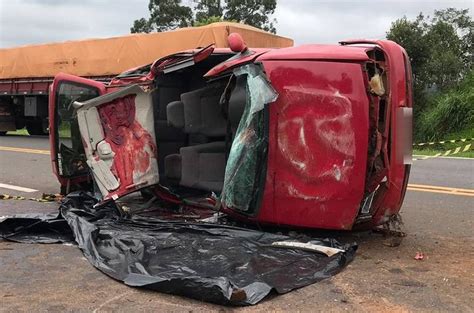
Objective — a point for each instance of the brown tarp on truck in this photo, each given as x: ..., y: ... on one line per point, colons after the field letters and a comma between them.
x: 111, y: 56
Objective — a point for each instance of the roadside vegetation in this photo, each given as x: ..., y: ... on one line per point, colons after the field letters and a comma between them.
x: 20, y: 132
x: 441, y: 53
x: 449, y: 115
x: 171, y: 14
x: 64, y: 131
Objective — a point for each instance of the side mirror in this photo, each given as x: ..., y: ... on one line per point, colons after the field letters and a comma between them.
x: 236, y: 43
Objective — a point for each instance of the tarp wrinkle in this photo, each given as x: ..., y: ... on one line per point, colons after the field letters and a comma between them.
x: 209, y: 262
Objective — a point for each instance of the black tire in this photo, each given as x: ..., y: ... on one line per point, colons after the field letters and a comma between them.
x: 36, y: 128
x: 3, y: 132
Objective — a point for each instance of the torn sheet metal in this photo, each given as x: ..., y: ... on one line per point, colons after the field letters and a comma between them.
x: 119, y: 140
x: 209, y: 262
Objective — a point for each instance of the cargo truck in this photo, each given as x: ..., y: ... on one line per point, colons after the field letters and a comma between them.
x: 27, y: 72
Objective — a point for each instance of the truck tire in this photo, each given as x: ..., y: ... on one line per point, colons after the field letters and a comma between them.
x: 36, y: 128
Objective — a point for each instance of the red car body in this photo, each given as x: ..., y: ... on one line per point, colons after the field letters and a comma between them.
x: 335, y: 149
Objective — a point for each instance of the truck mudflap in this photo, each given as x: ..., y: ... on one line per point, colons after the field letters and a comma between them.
x: 209, y: 262
x: 119, y: 140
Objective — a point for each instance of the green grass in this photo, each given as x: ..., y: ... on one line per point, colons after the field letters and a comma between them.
x: 467, y: 132
x: 21, y: 132
x: 448, y: 113
x: 64, y: 131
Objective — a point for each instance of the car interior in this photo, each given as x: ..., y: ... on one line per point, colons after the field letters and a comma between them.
x: 195, y: 124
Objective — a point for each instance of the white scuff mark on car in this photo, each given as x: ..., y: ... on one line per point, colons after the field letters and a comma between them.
x: 343, y: 139
x: 337, y: 94
x: 297, y: 158
x: 296, y: 193
x: 337, y: 172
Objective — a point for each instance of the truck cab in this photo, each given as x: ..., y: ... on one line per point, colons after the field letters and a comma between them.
x: 316, y: 136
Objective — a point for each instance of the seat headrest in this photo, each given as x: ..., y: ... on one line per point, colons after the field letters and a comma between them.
x: 175, y: 114
x: 237, y: 101
x: 203, y: 113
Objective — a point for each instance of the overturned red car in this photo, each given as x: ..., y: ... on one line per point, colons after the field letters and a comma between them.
x: 312, y: 136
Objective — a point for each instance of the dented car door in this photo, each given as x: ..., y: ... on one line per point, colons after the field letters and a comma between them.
x: 67, y: 152
x: 119, y: 140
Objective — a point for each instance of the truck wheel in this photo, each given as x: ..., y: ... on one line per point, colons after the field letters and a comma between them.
x: 3, y: 133
x: 36, y: 128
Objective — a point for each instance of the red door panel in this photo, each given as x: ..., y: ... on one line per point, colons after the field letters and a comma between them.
x: 67, y: 153
x: 119, y: 140
x: 317, y: 155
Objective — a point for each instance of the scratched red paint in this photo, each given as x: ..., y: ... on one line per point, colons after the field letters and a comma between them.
x: 318, y: 152
x: 132, y: 144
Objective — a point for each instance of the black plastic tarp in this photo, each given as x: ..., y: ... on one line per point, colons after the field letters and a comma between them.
x: 209, y: 262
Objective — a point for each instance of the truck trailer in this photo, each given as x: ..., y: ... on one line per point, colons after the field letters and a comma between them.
x: 27, y: 72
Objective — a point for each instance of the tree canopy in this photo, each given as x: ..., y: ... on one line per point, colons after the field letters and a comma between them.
x: 440, y: 49
x: 171, y: 14
x: 441, y: 53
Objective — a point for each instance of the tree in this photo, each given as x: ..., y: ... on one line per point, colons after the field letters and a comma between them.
x: 252, y: 12
x: 170, y: 14
x: 141, y: 26
x: 464, y: 26
x: 208, y: 20
x: 208, y: 10
x: 445, y: 66
x: 164, y: 15
x: 409, y: 34
x: 441, y: 53
x: 440, y: 50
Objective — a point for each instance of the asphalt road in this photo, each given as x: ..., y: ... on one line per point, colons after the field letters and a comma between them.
x: 438, y: 213
x: 26, y: 169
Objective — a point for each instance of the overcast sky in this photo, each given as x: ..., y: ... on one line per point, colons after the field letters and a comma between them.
x: 306, y: 21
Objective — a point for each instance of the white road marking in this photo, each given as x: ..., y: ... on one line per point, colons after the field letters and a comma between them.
x: 17, y: 188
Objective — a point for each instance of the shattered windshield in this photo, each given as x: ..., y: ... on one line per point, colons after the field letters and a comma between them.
x: 246, y: 163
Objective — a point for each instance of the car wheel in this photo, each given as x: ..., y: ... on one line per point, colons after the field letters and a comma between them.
x: 36, y: 128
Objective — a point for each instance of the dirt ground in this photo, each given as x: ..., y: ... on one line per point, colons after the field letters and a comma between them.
x: 57, y: 278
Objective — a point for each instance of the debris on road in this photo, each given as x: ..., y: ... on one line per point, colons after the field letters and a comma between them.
x: 46, y: 197
x: 49, y: 197
x: 419, y: 256
x: 393, y: 241
x: 8, y: 197
x: 206, y: 261
x: 392, y: 231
